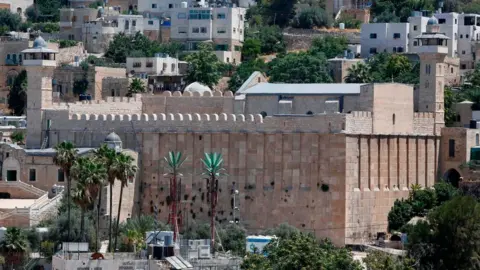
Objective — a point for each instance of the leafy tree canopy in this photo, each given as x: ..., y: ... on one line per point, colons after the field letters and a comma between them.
x: 312, y: 17
x: 300, y: 67
x: 17, y: 98
x: 270, y: 38
x: 302, y: 251
x: 450, y: 239
x: 272, y: 12
x: 204, y: 66
x: 136, y: 86
x: 398, y: 11
x: 123, y: 46
x: 9, y: 20
x: 330, y: 46
x: 45, y: 10
x: 379, y: 260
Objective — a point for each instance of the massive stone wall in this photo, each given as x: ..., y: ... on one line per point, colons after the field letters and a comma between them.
x: 279, y: 177
x: 379, y: 170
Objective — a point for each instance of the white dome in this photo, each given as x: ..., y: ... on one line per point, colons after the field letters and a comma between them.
x: 198, y: 87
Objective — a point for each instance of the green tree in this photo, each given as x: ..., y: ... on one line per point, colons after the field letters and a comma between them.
x: 273, y: 12
x: 174, y: 162
x: 450, y: 98
x: 233, y: 239
x: 398, y: 11
x: 359, y: 73
x: 197, y: 231
x: 107, y: 156
x: 125, y: 170
x: 17, y: 97
x: 65, y: 157
x: 379, y: 260
x: 397, y: 64
x: 82, y: 198
x: 136, y: 86
x: 213, y: 170
x: 18, y: 137
x: 299, y: 68
x: 270, y: 37
x: 451, y: 237
x: 282, y: 231
x: 386, y: 67
x: 251, y: 49
x: 45, y: 11
x: 80, y: 87
x: 312, y: 17
x: 444, y: 192
x: 14, y: 245
x: 255, y: 262
x: 204, y: 66
x: 302, y: 251
x: 47, y: 249
x: 9, y: 20
x: 243, y: 71
x: 330, y: 46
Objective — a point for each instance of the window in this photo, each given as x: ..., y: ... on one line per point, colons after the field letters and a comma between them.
x: 396, y: 35
x: 154, y: 5
x: 11, y: 175
x: 164, y: 66
x: 264, y: 114
x: 451, y: 148
x: 74, y: 18
x: 442, y: 21
x: 467, y: 36
x: 195, y: 30
x: 173, y: 67
x: 137, y: 64
x: 309, y: 113
x: 373, y: 50
x: 237, y: 48
x: 414, y: 28
x: 373, y: 36
x: 463, y: 52
x: 149, y: 64
x: 477, y: 139
x: 393, y: 119
x: 428, y: 69
x: 234, y: 30
x: 221, y: 47
x: 150, y: 22
x: 60, y: 175
x: 221, y: 16
x: 451, y: 70
x: 134, y: 23
x: 461, y: 36
x: 221, y: 30
x: 200, y: 15
x: 241, y: 17
x: 455, y: 21
x: 32, y: 175
x: 400, y: 49
x: 182, y: 30
x: 170, y: 5
x: 182, y: 15
x: 203, y: 30
x: 463, y: 66
x: 228, y: 59
x: 394, y: 49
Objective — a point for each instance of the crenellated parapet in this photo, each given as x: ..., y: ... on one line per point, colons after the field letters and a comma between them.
x: 359, y: 122
x: 198, y: 94
x: 171, y: 117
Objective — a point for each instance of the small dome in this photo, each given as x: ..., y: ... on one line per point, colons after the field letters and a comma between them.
x: 113, y: 137
x: 39, y: 43
x: 197, y: 87
x: 432, y: 21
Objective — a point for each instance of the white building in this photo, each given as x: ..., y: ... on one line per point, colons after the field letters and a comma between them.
x: 148, y: 66
x: 16, y: 6
x: 224, y: 27
x: 384, y: 37
x: 127, y: 24
x: 163, y: 8
x: 462, y: 29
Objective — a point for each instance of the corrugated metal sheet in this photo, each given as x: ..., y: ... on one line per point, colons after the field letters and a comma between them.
x: 178, y: 263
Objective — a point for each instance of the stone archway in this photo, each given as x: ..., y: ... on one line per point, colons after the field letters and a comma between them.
x: 11, y: 169
x: 452, y: 176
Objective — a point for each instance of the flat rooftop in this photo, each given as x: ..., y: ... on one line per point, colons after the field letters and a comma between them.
x: 304, y: 89
x: 16, y: 203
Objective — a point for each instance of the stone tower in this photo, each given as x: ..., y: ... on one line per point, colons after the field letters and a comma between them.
x: 432, y: 49
x: 39, y: 63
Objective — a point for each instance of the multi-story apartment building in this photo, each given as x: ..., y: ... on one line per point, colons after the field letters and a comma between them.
x: 72, y: 21
x: 16, y: 6
x: 222, y: 26
x: 461, y: 29
x: 162, y: 8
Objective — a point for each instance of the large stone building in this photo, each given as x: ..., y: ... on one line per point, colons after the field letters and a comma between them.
x: 329, y: 159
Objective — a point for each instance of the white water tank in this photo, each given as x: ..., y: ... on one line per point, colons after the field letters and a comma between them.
x: 341, y: 26
x: 184, y: 5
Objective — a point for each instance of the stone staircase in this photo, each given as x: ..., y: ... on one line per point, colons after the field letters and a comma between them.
x: 23, y: 186
x: 43, y: 209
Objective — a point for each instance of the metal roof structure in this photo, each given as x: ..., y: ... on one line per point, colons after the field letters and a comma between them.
x: 304, y: 89
x: 178, y: 263
x: 50, y: 152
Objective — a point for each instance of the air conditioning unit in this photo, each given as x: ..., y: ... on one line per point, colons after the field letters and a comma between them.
x: 204, y: 252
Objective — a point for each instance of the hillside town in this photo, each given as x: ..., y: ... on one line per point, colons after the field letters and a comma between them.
x: 239, y: 134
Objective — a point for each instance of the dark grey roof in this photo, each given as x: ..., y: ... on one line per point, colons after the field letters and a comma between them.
x: 304, y: 89
x: 113, y: 137
x: 432, y: 35
x: 50, y: 152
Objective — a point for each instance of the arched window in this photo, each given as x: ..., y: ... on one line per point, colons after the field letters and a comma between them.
x: 264, y: 114
x: 19, y: 10
x: 113, y: 92
x: 309, y: 113
x: 393, y: 119
x: 477, y: 140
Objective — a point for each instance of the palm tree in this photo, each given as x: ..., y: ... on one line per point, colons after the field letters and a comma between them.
x: 125, y: 170
x: 359, y: 73
x: 65, y: 156
x: 213, y: 170
x: 14, y: 244
x: 174, y: 161
x: 107, y: 156
x: 81, y: 197
x: 136, y: 86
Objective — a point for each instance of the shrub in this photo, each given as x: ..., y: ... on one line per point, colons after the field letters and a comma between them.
x: 312, y: 17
